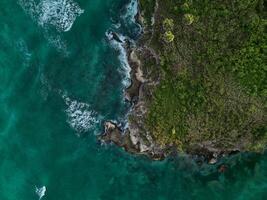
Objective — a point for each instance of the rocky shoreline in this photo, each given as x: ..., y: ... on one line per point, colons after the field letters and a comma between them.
x: 135, y: 139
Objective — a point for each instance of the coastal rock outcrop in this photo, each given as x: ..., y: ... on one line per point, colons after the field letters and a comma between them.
x: 190, y: 91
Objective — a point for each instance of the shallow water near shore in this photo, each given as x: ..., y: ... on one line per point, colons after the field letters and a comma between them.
x: 60, y: 79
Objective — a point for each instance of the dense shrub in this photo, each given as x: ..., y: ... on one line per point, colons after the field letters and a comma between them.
x: 215, y: 74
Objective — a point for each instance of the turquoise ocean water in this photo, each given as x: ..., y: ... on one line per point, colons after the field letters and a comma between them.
x: 60, y: 79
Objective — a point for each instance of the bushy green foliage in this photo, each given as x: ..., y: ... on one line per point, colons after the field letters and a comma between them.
x: 147, y: 7
x: 189, y: 18
x: 168, y: 24
x: 249, y: 64
x: 173, y: 100
x: 168, y: 36
x: 215, y: 75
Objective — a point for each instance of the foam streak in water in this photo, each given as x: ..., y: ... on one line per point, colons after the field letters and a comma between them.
x: 80, y: 115
x: 53, y: 14
x: 59, y: 14
x: 40, y: 191
x: 120, y: 43
x: 131, y: 12
x: 120, y: 47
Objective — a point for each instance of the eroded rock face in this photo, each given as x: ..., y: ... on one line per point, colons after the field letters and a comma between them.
x: 135, y: 139
x: 114, y: 134
x: 130, y: 140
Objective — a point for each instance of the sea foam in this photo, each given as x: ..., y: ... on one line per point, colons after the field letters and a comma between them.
x: 51, y: 15
x: 60, y: 14
x: 58, y: 42
x: 131, y: 12
x: 80, y: 115
x: 120, y: 46
x: 40, y: 191
x: 22, y: 47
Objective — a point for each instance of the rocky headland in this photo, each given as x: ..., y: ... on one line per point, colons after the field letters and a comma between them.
x: 221, y: 115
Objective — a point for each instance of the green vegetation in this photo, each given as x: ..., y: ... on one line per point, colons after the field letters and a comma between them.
x: 214, y: 84
x: 189, y: 18
x: 168, y: 36
x: 147, y: 10
x: 168, y: 24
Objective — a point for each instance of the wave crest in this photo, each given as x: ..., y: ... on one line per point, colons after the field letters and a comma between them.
x: 80, y: 115
x: 60, y: 14
x: 40, y: 192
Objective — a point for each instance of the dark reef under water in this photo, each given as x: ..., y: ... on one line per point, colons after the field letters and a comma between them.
x: 57, y: 85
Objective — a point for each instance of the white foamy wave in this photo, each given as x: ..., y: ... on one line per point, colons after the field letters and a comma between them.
x: 131, y: 11
x: 130, y: 14
x: 119, y: 42
x: 40, y: 191
x: 60, y: 14
x: 80, y: 115
x: 55, y: 14
x: 120, y: 46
